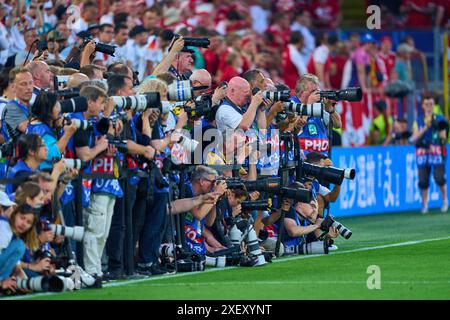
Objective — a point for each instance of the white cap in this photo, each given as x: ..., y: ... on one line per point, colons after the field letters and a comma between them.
x: 48, y: 5
x: 4, y: 200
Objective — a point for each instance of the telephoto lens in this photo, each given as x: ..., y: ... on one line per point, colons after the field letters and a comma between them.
x: 76, y: 233
x: 75, y: 164
x: 255, y: 205
x: 277, y: 95
x: 43, y: 284
x: 105, y: 48
x: 196, y: 42
x: 327, y: 174
x: 180, y: 90
x: 310, y: 110
x: 349, y: 94
x: 300, y: 194
x: 315, y: 247
x: 81, y: 124
x: 272, y: 185
x: 187, y: 143
x: 139, y: 102
x: 330, y: 222
x: 77, y: 104
x: 217, y: 262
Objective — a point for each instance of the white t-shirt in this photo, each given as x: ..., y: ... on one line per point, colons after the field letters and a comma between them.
x: 227, y: 118
x: 320, y: 55
x: 5, y: 234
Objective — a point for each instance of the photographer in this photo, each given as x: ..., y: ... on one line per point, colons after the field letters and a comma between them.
x: 232, y: 113
x: 296, y: 228
x: 203, y: 181
x: 150, y: 237
x: 430, y: 133
x: 138, y: 142
x: 46, y: 121
x: 17, y: 234
x: 16, y: 112
x: 314, y: 136
x: 32, y: 151
x: 324, y: 195
x: 98, y: 195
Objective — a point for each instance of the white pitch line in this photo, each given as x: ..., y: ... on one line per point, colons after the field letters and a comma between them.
x: 300, y: 257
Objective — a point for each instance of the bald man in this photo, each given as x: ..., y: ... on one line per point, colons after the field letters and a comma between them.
x: 42, y: 78
x: 232, y: 113
x: 200, y: 78
x: 76, y: 79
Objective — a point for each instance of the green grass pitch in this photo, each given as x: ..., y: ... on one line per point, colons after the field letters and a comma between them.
x: 411, y: 250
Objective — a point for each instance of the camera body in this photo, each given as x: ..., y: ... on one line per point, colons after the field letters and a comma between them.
x: 100, y: 47
x: 329, y: 222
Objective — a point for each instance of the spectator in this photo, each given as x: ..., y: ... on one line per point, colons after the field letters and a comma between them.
x: 326, y: 14
x: 106, y: 35
x: 31, y: 38
x: 120, y: 40
x: 293, y: 61
x: 387, y: 55
x: 381, y: 128
x: 89, y: 15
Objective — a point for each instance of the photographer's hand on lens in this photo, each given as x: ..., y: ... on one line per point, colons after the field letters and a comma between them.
x: 46, y: 236
x: 110, y: 105
x: 218, y: 95
x: 313, y: 97
x: 220, y: 187
x: 40, y: 56
x: 209, y: 198
x: 70, y: 128
x: 60, y: 166
x: 89, y: 48
x: 277, y: 107
x: 102, y: 143
x: 178, y: 44
x: 257, y: 99
x: 254, y: 195
x: 235, y: 211
x: 42, y: 265
x: 9, y: 283
x: 332, y: 233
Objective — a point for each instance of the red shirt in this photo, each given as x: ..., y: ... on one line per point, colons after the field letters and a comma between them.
x: 290, y: 73
x: 336, y: 70
x: 325, y: 13
x: 228, y: 73
x: 417, y: 19
x: 389, y: 62
x: 211, y: 61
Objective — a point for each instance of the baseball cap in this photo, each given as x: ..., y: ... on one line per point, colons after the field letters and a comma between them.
x: 4, y: 200
x: 367, y: 38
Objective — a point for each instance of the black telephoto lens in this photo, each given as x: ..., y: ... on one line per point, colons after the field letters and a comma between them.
x: 300, y: 195
x: 77, y: 104
x: 105, y: 48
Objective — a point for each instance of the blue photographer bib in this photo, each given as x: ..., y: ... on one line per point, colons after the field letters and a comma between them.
x: 287, y: 239
x: 193, y: 231
x: 160, y: 158
x: 430, y: 151
x: 314, y: 136
x: 19, y: 167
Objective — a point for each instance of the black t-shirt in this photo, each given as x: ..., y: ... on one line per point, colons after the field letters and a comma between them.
x: 81, y: 138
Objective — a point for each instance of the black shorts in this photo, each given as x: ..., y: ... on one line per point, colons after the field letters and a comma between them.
x: 438, y: 175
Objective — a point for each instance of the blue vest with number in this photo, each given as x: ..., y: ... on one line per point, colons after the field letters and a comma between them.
x: 19, y: 167
x: 193, y: 230
x: 314, y: 136
x: 42, y: 129
x: 159, y: 159
x: 287, y: 239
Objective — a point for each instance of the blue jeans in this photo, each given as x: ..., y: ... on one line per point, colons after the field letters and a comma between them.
x: 150, y: 239
x: 10, y: 256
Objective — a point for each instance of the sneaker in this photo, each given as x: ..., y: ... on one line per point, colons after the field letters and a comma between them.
x: 444, y: 207
x: 150, y: 269
x: 113, y: 275
x: 424, y: 210
x: 333, y: 247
